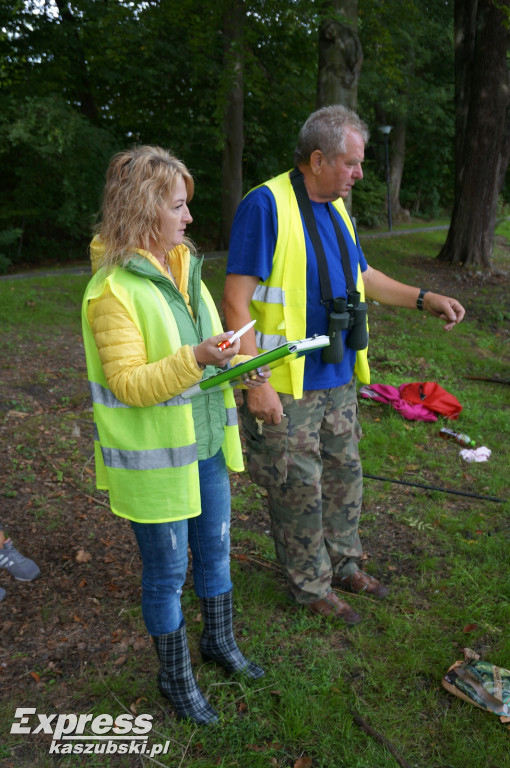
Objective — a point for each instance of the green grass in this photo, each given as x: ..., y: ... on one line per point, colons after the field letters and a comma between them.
x: 444, y: 555
x: 33, y: 305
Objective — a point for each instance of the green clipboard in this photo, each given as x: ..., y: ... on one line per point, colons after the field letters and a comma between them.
x: 273, y: 357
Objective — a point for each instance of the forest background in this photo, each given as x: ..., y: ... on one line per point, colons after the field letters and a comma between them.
x: 226, y: 86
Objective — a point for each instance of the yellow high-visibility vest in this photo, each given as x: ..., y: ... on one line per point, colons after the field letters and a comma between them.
x: 279, y: 303
x: 147, y: 457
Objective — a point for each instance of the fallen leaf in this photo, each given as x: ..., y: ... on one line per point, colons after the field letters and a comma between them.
x: 35, y: 676
x: 122, y: 648
x: 303, y: 762
x: 133, y: 707
x: 18, y: 414
x: 470, y: 627
x: 263, y: 747
x: 83, y: 557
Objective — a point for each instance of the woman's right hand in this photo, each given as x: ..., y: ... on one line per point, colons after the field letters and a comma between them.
x: 208, y: 352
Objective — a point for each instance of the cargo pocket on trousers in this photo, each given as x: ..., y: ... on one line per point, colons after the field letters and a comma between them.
x: 266, y: 452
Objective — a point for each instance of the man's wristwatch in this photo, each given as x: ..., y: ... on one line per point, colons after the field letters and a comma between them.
x: 419, y: 300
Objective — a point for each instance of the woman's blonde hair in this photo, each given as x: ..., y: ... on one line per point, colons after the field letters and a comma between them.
x: 138, y: 182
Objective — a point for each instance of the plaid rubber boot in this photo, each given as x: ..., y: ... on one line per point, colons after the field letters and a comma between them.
x: 217, y: 642
x: 176, y: 680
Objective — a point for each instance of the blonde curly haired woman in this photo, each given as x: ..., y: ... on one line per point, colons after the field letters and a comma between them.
x: 151, y: 330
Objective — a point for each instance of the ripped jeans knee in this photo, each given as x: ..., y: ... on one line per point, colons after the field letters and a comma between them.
x: 164, y: 552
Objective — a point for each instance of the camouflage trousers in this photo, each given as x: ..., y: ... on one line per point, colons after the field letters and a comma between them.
x: 310, y: 466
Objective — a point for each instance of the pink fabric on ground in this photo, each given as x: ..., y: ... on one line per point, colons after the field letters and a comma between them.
x: 386, y: 393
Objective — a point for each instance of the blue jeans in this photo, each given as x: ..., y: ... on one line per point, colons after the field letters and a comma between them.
x: 164, y: 552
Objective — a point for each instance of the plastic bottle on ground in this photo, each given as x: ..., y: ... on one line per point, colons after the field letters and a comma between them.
x: 459, y: 437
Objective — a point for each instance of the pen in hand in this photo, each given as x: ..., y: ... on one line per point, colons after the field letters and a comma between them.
x: 228, y: 342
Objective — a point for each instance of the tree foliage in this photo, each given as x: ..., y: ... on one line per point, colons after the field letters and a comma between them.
x: 407, y: 82
x: 213, y: 82
x: 80, y: 79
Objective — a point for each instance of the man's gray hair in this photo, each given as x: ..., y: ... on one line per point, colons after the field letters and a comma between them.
x: 326, y: 130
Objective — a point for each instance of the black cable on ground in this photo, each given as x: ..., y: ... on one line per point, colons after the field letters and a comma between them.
x: 434, y: 488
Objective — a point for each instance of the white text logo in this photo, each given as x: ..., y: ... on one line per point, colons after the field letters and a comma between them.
x: 90, y: 734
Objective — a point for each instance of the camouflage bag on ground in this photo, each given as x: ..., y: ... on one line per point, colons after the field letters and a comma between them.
x: 480, y: 683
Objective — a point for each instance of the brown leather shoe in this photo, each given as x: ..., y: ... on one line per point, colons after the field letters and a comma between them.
x: 331, y: 605
x: 359, y: 582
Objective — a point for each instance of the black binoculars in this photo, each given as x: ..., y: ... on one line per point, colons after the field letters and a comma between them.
x: 347, y: 314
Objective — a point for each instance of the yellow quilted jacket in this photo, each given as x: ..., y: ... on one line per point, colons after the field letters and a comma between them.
x: 121, y: 347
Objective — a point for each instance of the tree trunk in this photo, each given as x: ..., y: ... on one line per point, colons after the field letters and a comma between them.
x: 397, y: 158
x: 340, y: 57
x: 232, y: 159
x: 340, y: 54
x: 482, y: 130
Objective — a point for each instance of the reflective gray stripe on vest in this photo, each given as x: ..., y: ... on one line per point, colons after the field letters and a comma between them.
x: 177, y: 400
x: 104, y: 396
x: 269, y: 295
x: 268, y: 341
x: 157, y: 458
x: 231, y: 417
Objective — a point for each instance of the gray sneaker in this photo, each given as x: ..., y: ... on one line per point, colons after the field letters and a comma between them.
x: 18, y: 566
x: 2, y: 594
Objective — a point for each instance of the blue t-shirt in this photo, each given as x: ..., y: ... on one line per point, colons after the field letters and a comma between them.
x: 251, y: 250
